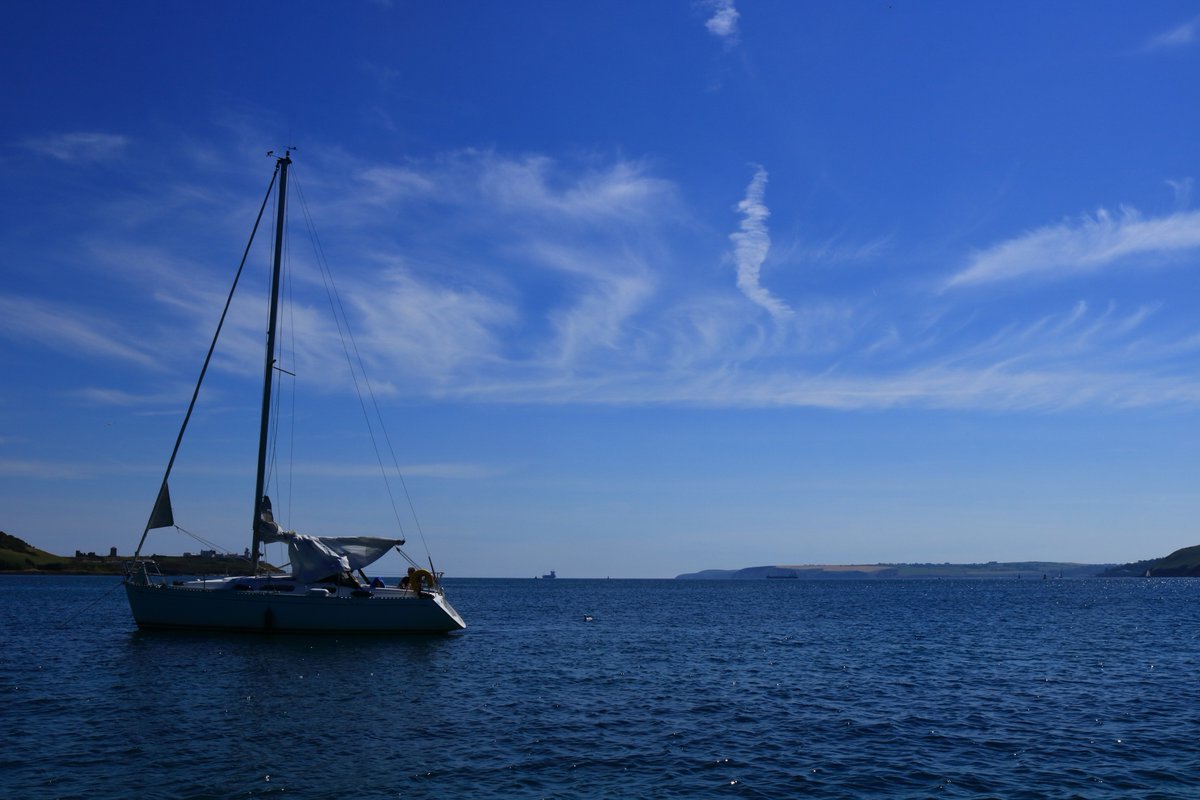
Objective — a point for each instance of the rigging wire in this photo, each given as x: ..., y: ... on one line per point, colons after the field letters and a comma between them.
x: 340, y: 318
x: 202, y: 540
x: 291, y: 334
x: 285, y: 329
x: 212, y: 545
x: 270, y: 459
x: 208, y: 358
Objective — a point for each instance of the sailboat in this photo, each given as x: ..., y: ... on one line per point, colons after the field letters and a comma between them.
x: 321, y: 593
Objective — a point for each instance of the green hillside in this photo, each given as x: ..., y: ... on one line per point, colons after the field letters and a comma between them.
x: 1181, y: 563
x: 18, y: 555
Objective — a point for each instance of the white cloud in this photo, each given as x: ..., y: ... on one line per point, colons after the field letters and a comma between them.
x: 1180, y: 36
x: 107, y: 396
x: 484, y: 277
x: 599, y: 318
x: 1001, y: 384
x: 80, y: 146
x: 390, y: 183
x: 724, y: 20
x: 476, y: 190
x: 1071, y: 358
x: 834, y: 251
x: 47, y: 470
x: 564, y: 259
x: 1182, y: 190
x: 1088, y: 244
x: 421, y: 329
x: 750, y: 246
x: 569, y: 295
x: 1060, y: 339
x: 70, y: 330
x: 444, y: 470
x: 622, y: 191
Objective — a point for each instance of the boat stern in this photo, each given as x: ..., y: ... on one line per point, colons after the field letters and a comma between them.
x: 444, y: 604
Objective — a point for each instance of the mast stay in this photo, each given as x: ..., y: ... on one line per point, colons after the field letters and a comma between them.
x: 161, y: 515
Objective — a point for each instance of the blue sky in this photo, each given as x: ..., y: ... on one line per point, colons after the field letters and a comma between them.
x: 642, y: 288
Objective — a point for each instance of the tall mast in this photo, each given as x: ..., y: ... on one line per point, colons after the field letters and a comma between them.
x: 269, y: 368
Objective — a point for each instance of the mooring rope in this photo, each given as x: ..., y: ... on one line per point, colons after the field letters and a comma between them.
x: 72, y: 618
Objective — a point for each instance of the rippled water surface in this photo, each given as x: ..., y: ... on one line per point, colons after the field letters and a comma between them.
x: 1019, y: 688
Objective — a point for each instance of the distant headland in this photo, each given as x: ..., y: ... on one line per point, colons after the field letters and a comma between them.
x: 19, y: 557
x: 1181, y: 563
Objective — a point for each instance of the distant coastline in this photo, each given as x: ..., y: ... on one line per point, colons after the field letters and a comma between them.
x: 1033, y: 570
x: 18, y: 557
x: 1182, y: 563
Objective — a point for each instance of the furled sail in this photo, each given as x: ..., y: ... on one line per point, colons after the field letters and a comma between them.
x: 317, y: 557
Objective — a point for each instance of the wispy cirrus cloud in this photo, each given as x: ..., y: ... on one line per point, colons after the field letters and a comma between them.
x: 607, y: 290
x: 622, y: 190
x: 1022, y: 372
x: 390, y: 182
x: 71, y: 330
x: 751, y: 244
x: 1182, y: 189
x: 48, y: 470
x: 443, y: 470
x: 484, y: 277
x: 420, y: 328
x: 80, y: 146
x: 533, y: 185
x: 1072, y: 357
x: 1182, y: 35
x: 122, y: 398
x: 1087, y: 244
x: 1060, y: 339
x: 566, y: 262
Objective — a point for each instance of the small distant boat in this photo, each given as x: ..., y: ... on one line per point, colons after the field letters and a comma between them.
x: 321, y: 594
x: 549, y: 575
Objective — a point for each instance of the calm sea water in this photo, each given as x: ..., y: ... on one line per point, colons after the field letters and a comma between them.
x: 770, y: 689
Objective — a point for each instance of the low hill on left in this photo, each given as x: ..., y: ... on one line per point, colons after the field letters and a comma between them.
x: 17, y: 555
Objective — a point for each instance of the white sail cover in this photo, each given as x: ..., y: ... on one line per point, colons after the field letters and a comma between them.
x: 316, y: 557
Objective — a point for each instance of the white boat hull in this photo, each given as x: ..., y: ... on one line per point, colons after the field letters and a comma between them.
x: 321, y: 594
x: 218, y: 605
